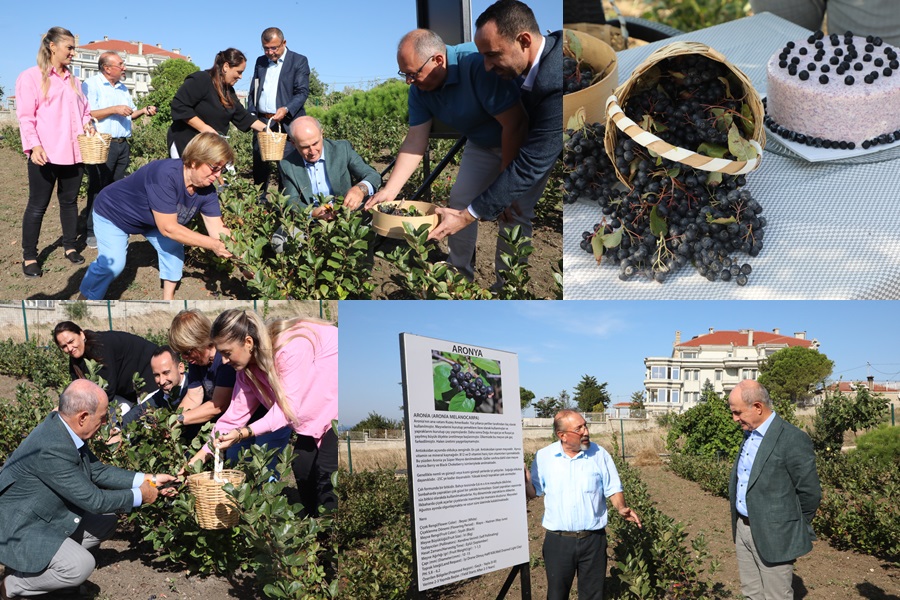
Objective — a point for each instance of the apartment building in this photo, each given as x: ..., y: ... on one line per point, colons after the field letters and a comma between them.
x: 724, y: 358
x: 140, y: 59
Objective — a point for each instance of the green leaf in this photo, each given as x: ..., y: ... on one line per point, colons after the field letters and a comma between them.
x: 747, y: 123
x: 720, y: 220
x: 739, y: 147
x: 713, y: 179
x: 460, y: 403
x: 727, y: 85
x: 441, y: 376
x: 713, y: 150
x: 658, y: 226
x: 573, y: 45
x: 612, y: 239
x: 597, y: 247
x: 487, y: 365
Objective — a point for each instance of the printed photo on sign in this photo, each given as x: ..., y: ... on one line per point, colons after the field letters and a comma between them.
x: 464, y: 383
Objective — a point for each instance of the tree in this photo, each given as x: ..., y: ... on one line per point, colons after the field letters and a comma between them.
x: 165, y: 79
x: 547, y: 407
x: 317, y: 89
x: 637, y: 399
x: 589, y: 393
x: 376, y: 421
x: 525, y: 397
x: 706, y: 429
x: 792, y: 373
x: 565, y: 401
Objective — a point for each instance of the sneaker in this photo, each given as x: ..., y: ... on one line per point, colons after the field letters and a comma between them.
x: 91, y: 241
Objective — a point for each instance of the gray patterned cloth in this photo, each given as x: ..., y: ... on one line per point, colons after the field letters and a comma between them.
x: 833, y: 227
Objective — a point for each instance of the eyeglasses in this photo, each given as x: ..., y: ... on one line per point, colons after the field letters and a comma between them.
x: 273, y: 48
x: 216, y: 169
x: 583, y: 428
x: 414, y: 76
x: 119, y: 66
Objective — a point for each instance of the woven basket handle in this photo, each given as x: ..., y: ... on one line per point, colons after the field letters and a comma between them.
x: 674, y: 153
x: 269, y: 130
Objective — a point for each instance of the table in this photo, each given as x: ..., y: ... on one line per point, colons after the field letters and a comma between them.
x: 833, y: 228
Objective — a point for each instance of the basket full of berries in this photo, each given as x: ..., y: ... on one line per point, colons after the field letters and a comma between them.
x: 590, y: 74
x: 388, y: 217
x: 688, y: 104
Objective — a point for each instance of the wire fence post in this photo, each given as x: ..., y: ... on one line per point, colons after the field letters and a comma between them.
x: 109, y: 313
x: 25, y: 320
x: 622, y: 429
x: 349, y: 455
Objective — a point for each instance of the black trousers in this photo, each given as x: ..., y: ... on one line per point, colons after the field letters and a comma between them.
x: 312, y: 469
x: 564, y: 556
x: 100, y: 176
x: 41, y: 181
x: 263, y: 168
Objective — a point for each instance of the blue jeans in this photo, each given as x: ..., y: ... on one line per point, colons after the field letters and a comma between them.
x: 275, y: 439
x: 112, y: 247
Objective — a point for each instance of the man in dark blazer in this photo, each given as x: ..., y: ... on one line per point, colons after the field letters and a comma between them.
x: 56, y: 496
x: 508, y: 37
x: 335, y: 166
x: 774, y: 492
x: 278, y: 90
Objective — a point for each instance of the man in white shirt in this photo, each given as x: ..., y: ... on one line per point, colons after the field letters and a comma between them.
x: 111, y: 104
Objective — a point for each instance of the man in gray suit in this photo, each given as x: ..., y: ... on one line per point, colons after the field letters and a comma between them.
x: 56, y: 497
x: 774, y: 492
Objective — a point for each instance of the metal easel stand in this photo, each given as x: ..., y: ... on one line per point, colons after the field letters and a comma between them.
x: 525, y: 570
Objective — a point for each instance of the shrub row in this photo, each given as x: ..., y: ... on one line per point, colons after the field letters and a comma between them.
x: 712, y: 474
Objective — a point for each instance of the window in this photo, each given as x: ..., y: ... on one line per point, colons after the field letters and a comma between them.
x: 657, y: 395
x: 77, y: 70
x: 691, y: 374
x: 674, y: 396
x: 685, y: 354
x: 657, y: 372
x: 718, y: 374
x: 676, y: 373
x: 748, y: 373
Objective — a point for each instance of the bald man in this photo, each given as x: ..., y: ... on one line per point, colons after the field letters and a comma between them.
x: 56, y: 497
x: 774, y: 492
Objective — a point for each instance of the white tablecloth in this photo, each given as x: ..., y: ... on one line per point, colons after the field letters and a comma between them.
x: 833, y: 228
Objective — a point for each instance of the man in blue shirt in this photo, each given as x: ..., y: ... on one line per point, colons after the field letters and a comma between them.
x: 278, y: 91
x: 509, y: 40
x: 576, y: 478
x: 112, y: 106
x: 451, y: 84
x: 774, y: 491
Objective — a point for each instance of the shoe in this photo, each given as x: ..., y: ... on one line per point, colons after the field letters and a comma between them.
x: 91, y: 241
x: 32, y: 270
x: 74, y: 257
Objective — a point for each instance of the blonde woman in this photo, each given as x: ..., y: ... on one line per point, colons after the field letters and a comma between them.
x: 291, y: 368
x: 158, y: 201
x: 52, y: 111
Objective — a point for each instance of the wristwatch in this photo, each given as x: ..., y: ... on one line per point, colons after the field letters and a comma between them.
x: 181, y: 418
x: 364, y: 189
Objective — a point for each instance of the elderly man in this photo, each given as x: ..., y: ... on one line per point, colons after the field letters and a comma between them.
x: 168, y: 373
x: 56, y: 497
x: 774, y: 492
x: 576, y: 477
x: 112, y: 106
x: 510, y: 41
x: 278, y: 91
x: 451, y: 84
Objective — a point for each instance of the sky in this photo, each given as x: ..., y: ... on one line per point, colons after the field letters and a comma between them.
x: 559, y: 342
x: 348, y: 42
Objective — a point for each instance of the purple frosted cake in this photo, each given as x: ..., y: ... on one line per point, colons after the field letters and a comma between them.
x: 837, y: 91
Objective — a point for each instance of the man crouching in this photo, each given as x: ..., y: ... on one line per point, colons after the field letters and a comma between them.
x: 56, y: 497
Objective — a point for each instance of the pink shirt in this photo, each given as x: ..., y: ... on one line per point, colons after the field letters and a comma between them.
x: 52, y: 122
x: 309, y: 376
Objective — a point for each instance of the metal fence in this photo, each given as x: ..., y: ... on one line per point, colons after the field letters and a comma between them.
x: 35, y: 319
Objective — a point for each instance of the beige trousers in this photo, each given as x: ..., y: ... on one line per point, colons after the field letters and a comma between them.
x: 761, y: 580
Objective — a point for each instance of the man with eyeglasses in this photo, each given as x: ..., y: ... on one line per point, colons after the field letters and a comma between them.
x: 509, y: 40
x: 278, y: 92
x: 450, y: 83
x: 111, y: 104
x: 576, y: 478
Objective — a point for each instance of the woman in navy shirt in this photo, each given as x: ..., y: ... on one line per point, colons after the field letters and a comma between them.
x: 158, y: 201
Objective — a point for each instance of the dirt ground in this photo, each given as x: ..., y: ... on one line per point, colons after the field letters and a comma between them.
x: 140, y: 280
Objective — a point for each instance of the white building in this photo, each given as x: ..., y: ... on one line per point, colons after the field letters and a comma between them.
x: 673, y: 383
x: 140, y: 59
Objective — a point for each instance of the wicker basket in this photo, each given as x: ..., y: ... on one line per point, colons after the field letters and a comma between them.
x: 599, y: 55
x: 271, y: 143
x: 605, y: 33
x: 616, y: 121
x: 94, y: 148
x: 214, y: 508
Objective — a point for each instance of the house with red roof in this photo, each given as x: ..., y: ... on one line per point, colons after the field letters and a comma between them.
x: 140, y: 59
x: 724, y: 358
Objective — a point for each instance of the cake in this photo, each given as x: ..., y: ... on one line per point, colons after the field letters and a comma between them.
x: 836, y: 91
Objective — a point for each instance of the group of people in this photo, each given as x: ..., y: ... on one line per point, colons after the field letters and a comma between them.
x: 503, y: 93
x: 774, y: 493
x: 261, y: 384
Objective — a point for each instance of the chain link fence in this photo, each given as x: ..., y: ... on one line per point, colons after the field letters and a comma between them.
x: 35, y: 319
